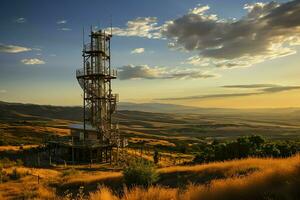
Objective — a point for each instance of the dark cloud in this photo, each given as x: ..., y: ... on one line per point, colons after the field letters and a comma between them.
x: 269, y: 30
x: 280, y: 89
x: 189, y: 75
x: 251, y: 86
x: 261, y: 89
x: 134, y: 72
x: 145, y: 72
x: 211, y: 96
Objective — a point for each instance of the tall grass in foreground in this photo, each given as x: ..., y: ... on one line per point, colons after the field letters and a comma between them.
x: 280, y: 180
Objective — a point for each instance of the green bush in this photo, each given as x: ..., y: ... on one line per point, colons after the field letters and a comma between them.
x: 155, y: 157
x: 5, y: 163
x: 140, y: 173
x: 19, y: 162
x: 69, y: 172
x: 15, y: 175
x: 3, y: 176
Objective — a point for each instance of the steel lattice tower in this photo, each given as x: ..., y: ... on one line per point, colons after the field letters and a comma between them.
x: 95, y: 79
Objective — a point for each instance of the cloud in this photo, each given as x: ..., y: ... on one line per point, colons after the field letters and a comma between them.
x: 255, y: 86
x: 268, y: 31
x: 62, y: 21
x: 280, y: 89
x: 138, y: 51
x: 199, y: 10
x: 33, y: 61
x: 65, y: 29
x: 145, y: 72
x: 20, y: 20
x: 140, y: 27
x: 13, y: 48
x: 266, y: 88
x: 210, y: 96
x: 261, y: 89
x: 3, y: 91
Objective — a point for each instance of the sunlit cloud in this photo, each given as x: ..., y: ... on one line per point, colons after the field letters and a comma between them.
x: 260, y: 89
x: 199, y: 10
x: 33, y: 61
x: 268, y: 31
x: 3, y: 91
x: 13, y: 48
x: 140, y: 27
x: 146, y: 72
x: 138, y: 51
x: 255, y: 86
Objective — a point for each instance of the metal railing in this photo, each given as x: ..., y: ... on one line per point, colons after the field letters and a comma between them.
x: 75, y: 142
x: 114, y: 97
x: 82, y: 72
x: 95, y: 47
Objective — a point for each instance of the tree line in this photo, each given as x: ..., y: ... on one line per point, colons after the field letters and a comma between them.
x: 243, y: 147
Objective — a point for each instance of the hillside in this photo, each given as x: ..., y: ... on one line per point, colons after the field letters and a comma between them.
x: 74, y: 112
x: 247, y: 179
x: 29, y: 124
x: 177, y: 136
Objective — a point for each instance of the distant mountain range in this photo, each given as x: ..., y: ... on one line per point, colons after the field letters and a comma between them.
x: 173, y: 108
x: 75, y: 112
x: 169, y: 108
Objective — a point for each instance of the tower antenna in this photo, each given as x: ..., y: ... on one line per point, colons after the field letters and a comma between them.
x: 111, y: 25
x: 82, y: 36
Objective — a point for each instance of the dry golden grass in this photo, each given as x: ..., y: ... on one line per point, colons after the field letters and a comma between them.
x: 226, y: 165
x: 270, y: 179
x: 137, y: 153
x: 27, y: 187
x: 151, y: 142
x: 42, y: 129
x: 45, y: 193
x: 150, y: 193
x: 275, y: 179
x: 166, y: 159
x: 103, y: 194
x: 87, y: 178
x: 16, y: 148
x: 32, y: 184
x: 42, y: 173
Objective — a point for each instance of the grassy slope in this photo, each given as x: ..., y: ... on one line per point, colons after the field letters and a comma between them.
x: 246, y: 179
x: 240, y: 179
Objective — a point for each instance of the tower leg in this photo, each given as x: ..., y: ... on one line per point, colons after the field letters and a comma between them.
x: 106, y: 154
x: 73, y: 155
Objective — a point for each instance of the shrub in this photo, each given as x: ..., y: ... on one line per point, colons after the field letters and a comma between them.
x: 156, y: 157
x: 19, y: 162
x: 69, y: 172
x: 15, y: 175
x: 141, y: 173
x: 6, y: 162
x: 3, y: 176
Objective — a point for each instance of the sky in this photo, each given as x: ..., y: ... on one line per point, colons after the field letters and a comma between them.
x: 204, y: 53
